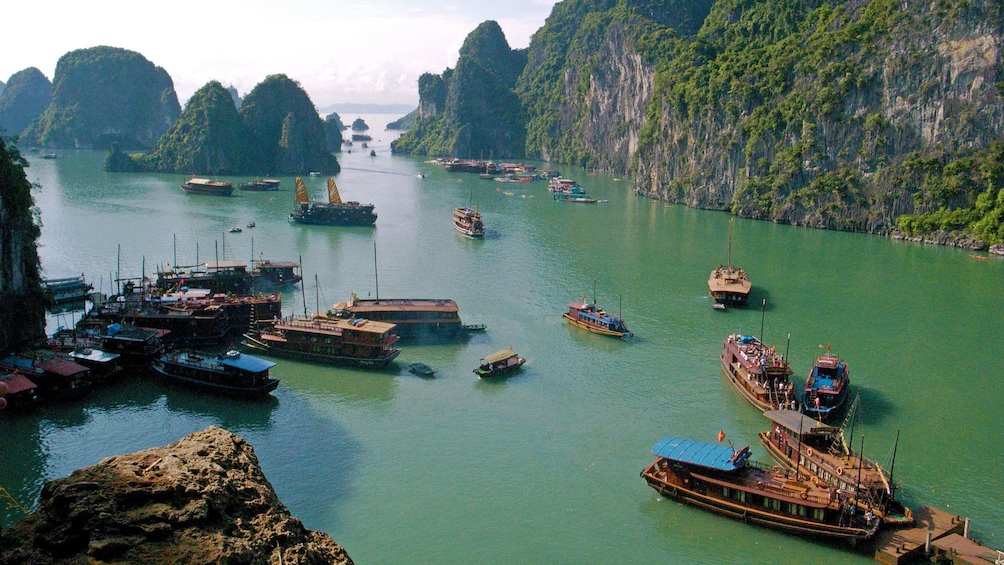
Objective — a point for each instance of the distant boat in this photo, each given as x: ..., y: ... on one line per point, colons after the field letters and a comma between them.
x: 757, y: 372
x: 468, y: 220
x: 259, y: 185
x: 68, y: 289
x: 208, y: 187
x: 590, y: 317
x: 827, y: 386
x: 723, y: 480
x: 574, y: 198
x: 332, y: 213
x: 233, y: 373
x: 499, y: 363
x: 729, y: 285
x: 252, y: 224
x: 421, y: 369
x: 49, y: 156
x: 235, y: 229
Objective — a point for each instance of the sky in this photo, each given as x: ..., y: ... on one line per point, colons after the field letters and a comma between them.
x: 339, y: 51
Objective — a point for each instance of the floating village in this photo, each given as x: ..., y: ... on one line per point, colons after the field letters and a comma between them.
x: 217, y: 326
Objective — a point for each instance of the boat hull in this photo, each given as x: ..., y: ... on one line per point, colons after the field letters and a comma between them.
x: 308, y: 357
x: 500, y: 372
x: 234, y: 391
x: 335, y: 215
x: 593, y: 329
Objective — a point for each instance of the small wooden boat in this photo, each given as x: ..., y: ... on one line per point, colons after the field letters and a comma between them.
x: 827, y: 387
x: 252, y: 224
x: 421, y: 369
x: 499, y: 363
x: 235, y: 229
x: 233, y: 373
x: 723, y: 480
x: 207, y: 186
x: 259, y: 185
x: 758, y: 372
x: 590, y: 317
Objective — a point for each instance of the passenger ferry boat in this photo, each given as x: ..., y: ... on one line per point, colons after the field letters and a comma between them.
x: 803, y: 445
x: 413, y: 318
x: 209, y: 187
x: 499, y: 363
x: 353, y: 343
x: 723, y: 480
x: 827, y: 387
x: 233, y: 373
x: 590, y: 317
x: 259, y: 185
x: 334, y: 212
x: 468, y: 222
x: 729, y: 285
x: 758, y: 372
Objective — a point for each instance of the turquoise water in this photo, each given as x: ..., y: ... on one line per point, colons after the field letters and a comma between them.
x: 541, y: 467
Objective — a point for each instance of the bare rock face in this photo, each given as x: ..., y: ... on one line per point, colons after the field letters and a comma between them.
x: 201, y: 500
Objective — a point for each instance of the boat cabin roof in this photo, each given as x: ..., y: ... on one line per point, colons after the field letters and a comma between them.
x: 245, y: 362
x: 499, y: 356
x: 720, y: 457
x: 828, y: 361
x: 398, y: 304
x: 17, y: 382
x: 798, y: 422
x: 220, y: 265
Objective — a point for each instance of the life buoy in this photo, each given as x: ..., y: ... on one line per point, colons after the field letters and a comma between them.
x: 804, y: 496
x: 776, y: 469
x: 759, y: 485
x: 840, y: 470
x: 809, y: 452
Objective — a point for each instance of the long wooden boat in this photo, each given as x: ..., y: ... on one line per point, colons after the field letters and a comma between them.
x: 723, y: 480
x: 413, y: 318
x: 827, y: 387
x: 352, y: 343
x: 588, y: 316
x: 499, y: 364
x: 259, y: 185
x: 758, y: 372
x: 803, y: 445
x: 334, y: 212
x: 208, y: 187
x: 232, y: 374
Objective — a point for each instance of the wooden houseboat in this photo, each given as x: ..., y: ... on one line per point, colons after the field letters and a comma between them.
x: 723, y: 480
x: 499, y: 363
x: 353, y: 343
x: 758, y: 372
x: 208, y: 187
x: 803, y: 445
x: 232, y: 374
x: 467, y: 221
x: 259, y: 185
x: 56, y: 378
x: 414, y: 318
x: 334, y: 212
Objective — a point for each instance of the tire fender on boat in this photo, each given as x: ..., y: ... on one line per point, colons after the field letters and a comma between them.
x: 840, y: 470
x: 804, y: 496
x: 808, y: 452
x: 776, y: 469
x: 759, y: 485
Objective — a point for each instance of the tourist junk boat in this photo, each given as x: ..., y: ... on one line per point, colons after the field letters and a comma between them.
x: 413, y: 318
x: 499, y: 363
x: 724, y: 480
x: 803, y: 445
x: 69, y: 289
x: 334, y: 212
x: 590, y: 317
x: 259, y: 185
x: 729, y: 285
x: 827, y: 387
x: 758, y: 372
x: 233, y: 373
x: 229, y: 276
x: 209, y: 187
x: 274, y: 274
x: 468, y: 222
x: 352, y: 343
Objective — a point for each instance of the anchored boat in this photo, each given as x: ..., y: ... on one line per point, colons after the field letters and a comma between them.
x: 758, y: 372
x: 353, y: 343
x: 729, y: 285
x: 334, y: 212
x: 827, y: 387
x: 232, y: 373
x: 499, y: 363
x: 590, y: 317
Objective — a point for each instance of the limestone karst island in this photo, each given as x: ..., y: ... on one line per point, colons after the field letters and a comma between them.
x: 676, y: 282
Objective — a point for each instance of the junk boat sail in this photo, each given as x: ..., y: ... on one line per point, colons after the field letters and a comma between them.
x: 232, y: 373
x: 803, y: 445
x: 206, y: 186
x: 729, y: 285
x: 758, y: 373
x: 723, y: 480
x: 827, y: 387
x: 334, y: 213
x: 353, y: 343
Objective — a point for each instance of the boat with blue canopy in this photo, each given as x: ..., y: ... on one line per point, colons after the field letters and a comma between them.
x: 827, y: 387
x: 724, y: 480
x: 232, y: 373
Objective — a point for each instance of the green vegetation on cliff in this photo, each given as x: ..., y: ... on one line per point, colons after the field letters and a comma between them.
x: 405, y: 122
x: 27, y: 95
x: 105, y: 94
x: 22, y: 298
x: 276, y: 131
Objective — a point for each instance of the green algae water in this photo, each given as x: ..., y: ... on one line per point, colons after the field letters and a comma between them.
x: 541, y: 467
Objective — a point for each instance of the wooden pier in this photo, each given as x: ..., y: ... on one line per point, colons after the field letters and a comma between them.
x: 934, y: 532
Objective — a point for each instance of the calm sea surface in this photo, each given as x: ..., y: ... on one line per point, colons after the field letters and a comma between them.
x: 541, y: 467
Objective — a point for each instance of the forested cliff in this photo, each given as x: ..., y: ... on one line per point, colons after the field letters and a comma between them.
x: 875, y: 116
x: 27, y: 95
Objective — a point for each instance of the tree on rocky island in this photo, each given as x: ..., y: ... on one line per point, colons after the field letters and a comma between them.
x: 27, y: 95
x: 359, y: 124
x: 333, y: 128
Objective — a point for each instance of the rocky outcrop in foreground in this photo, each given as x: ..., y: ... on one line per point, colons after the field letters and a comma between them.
x: 201, y: 500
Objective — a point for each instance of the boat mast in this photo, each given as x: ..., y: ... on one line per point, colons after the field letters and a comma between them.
x: 118, y: 269
x: 730, y: 243
x: 763, y: 314
x: 892, y: 466
x: 303, y: 289
x: 216, y: 273
x: 175, y: 251
x: 376, y: 273
x: 317, y: 297
x: 861, y: 464
x: 594, y: 292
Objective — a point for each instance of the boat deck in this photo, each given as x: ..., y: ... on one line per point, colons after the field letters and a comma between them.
x: 906, y: 545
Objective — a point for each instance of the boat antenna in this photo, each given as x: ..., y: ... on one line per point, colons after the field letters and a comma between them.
x: 799, y: 451
x: 317, y: 297
x: 196, y: 252
x: 786, y: 348
x: 216, y: 273
x: 620, y: 306
x: 252, y: 266
x: 763, y: 314
x: 142, y: 280
x: 594, y: 292
x: 118, y: 268
x: 303, y: 289
x: 376, y: 273
x: 175, y: 251
x: 861, y: 463
x: 730, y: 242
x: 224, y: 250
x: 892, y: 466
